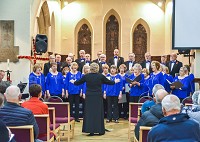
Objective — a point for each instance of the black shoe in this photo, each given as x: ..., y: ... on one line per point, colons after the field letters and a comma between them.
x: 108, y: 121
x: 77, y: 120
x: 91, y: 134
x: 116, y: 121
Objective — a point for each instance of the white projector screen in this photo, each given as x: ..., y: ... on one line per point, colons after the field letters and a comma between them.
x: 186, y: 24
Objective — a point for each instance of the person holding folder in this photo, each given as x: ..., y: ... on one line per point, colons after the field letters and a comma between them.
x: 136, y: 84
x: 177, y: 90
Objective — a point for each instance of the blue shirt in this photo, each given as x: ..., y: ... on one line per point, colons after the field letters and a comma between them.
x: 114, y: 90
x: 104, y: 85
x: 54, y: 83
x: 123, y: 79
x: 155, y: 79
x: 166, y: 83
x: 181, y: 93
x: 70, y: 87
x: 135, y: 89
x: 34, y: 79
x: 146, y: 89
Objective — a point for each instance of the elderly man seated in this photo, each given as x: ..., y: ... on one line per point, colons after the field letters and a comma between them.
x: 175, y: 126
x: 152, y: 116
x: 12, y: 114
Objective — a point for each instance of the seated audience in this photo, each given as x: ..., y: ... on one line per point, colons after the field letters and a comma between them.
x: 1, y: 100
x: 3, y: 83
x: 4, y: 132
x: 151, y: 118
x: 175, y: 126
x: 34, y: 104
x: 149, y: 103
x: 12, y: 114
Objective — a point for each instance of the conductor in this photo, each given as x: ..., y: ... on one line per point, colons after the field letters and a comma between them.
x: 93, y: 120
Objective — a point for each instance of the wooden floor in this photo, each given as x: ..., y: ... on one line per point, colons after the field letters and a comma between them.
x: 119, y: 133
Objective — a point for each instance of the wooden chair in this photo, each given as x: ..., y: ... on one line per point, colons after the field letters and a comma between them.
x: 144, y: 98
x: 54, y: 126
x: 55, y: 99
x: 23, y: 133
x: 62, y: 112
x: 144, y: 130
x: 44, y: 128
x: 187, y: 100
x: 133, y: 116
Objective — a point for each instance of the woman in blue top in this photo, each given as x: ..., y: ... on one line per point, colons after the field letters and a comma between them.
x: 167, y: 77
x: 36, y: 77
x: 64, y: 72
x: 136, y: 86
x: 146, y: 89
x: 190, y: 76
x: 113, y: 93
x: 54, y: 82
x: 156, y: 77
x: 73, y: 92
x: 181, y: 92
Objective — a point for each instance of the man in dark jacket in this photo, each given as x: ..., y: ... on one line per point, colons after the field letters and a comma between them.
x: 175, y: 126
x: 12, y: 114
x: 152, y: 117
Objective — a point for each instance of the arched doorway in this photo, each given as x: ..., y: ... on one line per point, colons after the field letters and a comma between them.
x: 139, y: 42
x: 84, y: 39
x: 112, y: 35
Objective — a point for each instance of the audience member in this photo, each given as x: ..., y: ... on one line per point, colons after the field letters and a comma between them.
x: 151, y: 118
x: 149, y: 103
x: 175, y: 126
x: 3, y: 83
x: 34, y: 104
x: 12, y: 114
x: 4, y: 132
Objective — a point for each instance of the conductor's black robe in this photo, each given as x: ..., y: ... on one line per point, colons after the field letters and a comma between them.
x: 93, y: 120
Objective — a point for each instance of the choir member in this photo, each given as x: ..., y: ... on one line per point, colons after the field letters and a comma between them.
x: 102, y: 62
x: 191, y: 87
x: 113, y: 93
x: 98, y: 57
x: 147, y: 62
x: 47, y: 66
x: 174, y: 65
x: 181, y: 92
x: 116, y: 60
x: 146, y: 89
x: 54, y: 82
x: 167, y: 77
x: 123, y: 101
x: 163, y: 60
x: 73, y: 92
x: 36, y: 77
x: 93, y: 121
x: 136, y: 86
x: 131, y: 61
x: 156, y: 77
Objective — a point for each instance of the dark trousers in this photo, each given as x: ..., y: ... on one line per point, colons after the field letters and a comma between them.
x: 126, y: 105
x: 134, y: 99
x: 75, y: 98
x: 112, y: 101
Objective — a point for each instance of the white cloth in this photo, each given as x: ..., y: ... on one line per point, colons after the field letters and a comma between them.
x: 172, y: 65
x: 130, y: 65
x: 115, y: 61
x: 148, y: 65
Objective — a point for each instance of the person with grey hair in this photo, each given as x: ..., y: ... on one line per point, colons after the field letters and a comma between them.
x: 131, y: 61
x: 175, y: 126
x: 102, y: 62
x: 152, y: 116
x: 93, y: 121
x: 12, y: 114
x: 149, y: 103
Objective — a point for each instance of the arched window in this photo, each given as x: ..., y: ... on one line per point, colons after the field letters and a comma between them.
x: 84, y: 39
x: 112, y: 35
x: 139, y: 42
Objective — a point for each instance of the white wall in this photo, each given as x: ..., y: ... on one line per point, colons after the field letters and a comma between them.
x: 19, y: 11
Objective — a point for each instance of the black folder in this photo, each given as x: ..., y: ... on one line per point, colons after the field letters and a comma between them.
x: 177, y: 84
x: 137, y: 79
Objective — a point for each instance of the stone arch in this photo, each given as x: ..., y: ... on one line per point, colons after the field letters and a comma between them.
x: 140, y: 39
x: 112, y: 34
x: 82, y: 40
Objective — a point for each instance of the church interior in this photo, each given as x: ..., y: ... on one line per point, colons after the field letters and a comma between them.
x: 132, y: 26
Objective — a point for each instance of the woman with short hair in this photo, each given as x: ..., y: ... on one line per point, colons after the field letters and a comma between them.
x: 93, y: 121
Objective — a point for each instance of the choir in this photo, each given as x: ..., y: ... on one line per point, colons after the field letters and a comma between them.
x: 117, y: 96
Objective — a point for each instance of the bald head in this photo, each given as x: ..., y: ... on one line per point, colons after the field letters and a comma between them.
x: 160, y: 94
x: 12, y: 94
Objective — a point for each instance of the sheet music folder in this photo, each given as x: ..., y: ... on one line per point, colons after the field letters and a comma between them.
x: 137, y: 79
x: 177, y: 84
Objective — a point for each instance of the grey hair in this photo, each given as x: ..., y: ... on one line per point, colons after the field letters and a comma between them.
x: 12, y: 92
x: 94, y: 68
x: 156, y: 88
x: 171, y: 102
x: 137, y: 66
x: 196, y: 98
x: 102, y: 55
x: 160, y: 94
